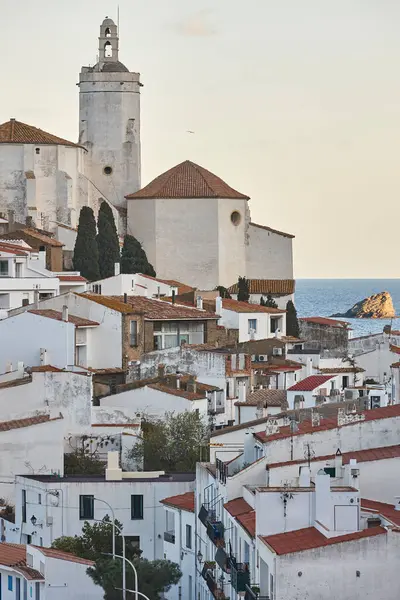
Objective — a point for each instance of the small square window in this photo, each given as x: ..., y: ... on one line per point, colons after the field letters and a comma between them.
x: 252, y: 325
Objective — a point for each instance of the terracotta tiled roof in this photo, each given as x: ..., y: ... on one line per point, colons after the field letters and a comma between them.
x: 71, y: 278
x: 13, y: 249
x: 310, y: 537
x: 182, y: 287
x: 325, y: 321
x: 248, y: 522
x: 14, y: 556
x: 183, y: 501
x: 238, y: 506
x: 246, y: 307
x: 49, y: 313
x: 395, y: 349
x: 27, y: 422
x: 310, y: 383
x: 187, y: 180
x: 59, y: 554
x: 15, y: 132
x: 386, y: 510
x: 265, y: 397
x: 382, y: 453
x: 283, y: 287
x: 47, y: 240
x: 288, y: 235
x: 175, y: 392
x: 306, y: 427
x: 395, y: 365
x: 157, y: 310
x: 343, y: 370
x: 277, y: 365
x: 46, y: 369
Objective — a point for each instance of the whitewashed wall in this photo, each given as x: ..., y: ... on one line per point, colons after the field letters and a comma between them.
x: 180, y: 554
x: 269, y: 254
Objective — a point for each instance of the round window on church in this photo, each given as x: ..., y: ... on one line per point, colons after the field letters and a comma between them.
x: 107, y: 170
x: 235, y: 217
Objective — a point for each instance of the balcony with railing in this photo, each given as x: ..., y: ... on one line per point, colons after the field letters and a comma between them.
x: 240, y: 575
x: 208, y: 574
x: 214, y: 527
x: 253, y: 593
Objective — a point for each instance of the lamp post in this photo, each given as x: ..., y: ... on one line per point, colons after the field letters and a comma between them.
x: 124, y: 559
x: 113, y: 522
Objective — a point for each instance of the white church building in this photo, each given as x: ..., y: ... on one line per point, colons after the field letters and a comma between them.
x: 193, y: 226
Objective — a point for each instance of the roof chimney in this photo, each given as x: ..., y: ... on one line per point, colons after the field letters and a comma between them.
x: 199, y: 302
x: 173, y: 296
x: 191, y: 384
x: 117, y: 268
x: 113, y: 471
x: 65, y: 313
x: 338, y: 463
x: 218, y: 305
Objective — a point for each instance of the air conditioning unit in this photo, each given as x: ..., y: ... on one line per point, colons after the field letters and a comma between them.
x: 262, y: 357
x: 277, y: 351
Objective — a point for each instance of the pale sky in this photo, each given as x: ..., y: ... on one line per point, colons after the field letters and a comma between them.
x: 293, y: 102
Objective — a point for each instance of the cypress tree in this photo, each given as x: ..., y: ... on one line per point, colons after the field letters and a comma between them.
x: 270, y: 301
x: 107, y: 241
x: 86, y: 257
x: 223, y: 292
x: 134, y: 258
x: 243, y: 292
x: 292, y: 322
x: 262, y: 301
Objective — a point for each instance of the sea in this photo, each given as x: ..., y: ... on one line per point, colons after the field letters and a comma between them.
x: 324, y: 297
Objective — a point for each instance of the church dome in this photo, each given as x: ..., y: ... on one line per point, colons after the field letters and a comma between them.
x: 107, y: 22
x: 187, y: 180
x: 112, y: 67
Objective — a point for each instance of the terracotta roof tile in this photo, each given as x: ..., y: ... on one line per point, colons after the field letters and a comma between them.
x: 288, y: 235
x: 248, y: 522
x: 238, y: 506
x: 175, y: 392
x: 306, y: 427
x: 343, y: 370
x: 246, y: 307
x: 13, y: 249
x: 265, y: 397
x: 283, y: 287
x: 182, y: 501
x: 61, y: 555
x: 14, y: 556
x: 310, y: 383
x: 47, y: 240
x: 71, y: 278
x: 382, y: 453
x: 187, y: 180
x: 27, y: 422
x: 309, y: 538
x: 15, y: 132
x: 154, y: 309
x: 325, y: 321
x: 49, y: 313
x: 395, y: 349
x: 386, y: 510
x: 46, y: 369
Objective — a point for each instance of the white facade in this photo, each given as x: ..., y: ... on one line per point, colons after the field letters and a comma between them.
x: 269, y: 254
x: 60, y: 507
x: 43, y: 574
x: 109, y: 120
x: 133, y: 285
x: 252, y: 325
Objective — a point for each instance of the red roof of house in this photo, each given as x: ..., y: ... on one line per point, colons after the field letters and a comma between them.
x: 14, y: 556
x: 282, y: 287
x: 382, y: 453
x: 305, y: 427
x: 175, y: 392
x: 187, y: 180
x: 325, y: 321
x: 247, y: 307
x: 182, y: 501
x: 57, y: 316
x: 27, y: 422
x: 15, y: 132
x: 71, y: 278
x: 61, y: 555
x: 248, y: 522
x: 386, y: 510
x: 310, y: 383
x: 15, y: 249
x: 243, y: 513
x: 394, y: 349
x: 310, y: 538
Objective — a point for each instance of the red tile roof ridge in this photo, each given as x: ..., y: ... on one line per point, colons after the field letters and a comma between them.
x: 26, y: 422
x: 386, y: 510
x: 237, y: 506
x: 310, y: 383
x: 57, y: 316
x: 184, y: 501
x: 247, y: 307
x: 61, y: 555
x: 309, y: 538
x: 367, y: 455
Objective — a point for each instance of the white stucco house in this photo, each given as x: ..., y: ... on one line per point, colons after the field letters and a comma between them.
x: 61, y: 505
x: 253, y: 321
x: 132, y: 284
x: 180, y: 542
x: 39, y: 573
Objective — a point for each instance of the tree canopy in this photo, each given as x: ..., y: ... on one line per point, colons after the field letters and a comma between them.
x: 173, y: 444
x: 107, y: 241
x: 86, y: 255
x: 243, y: 292
x: 134, y: 258
x: 292, y: 322
x: 154, y: 577
x: 223, y: 292
x: 269, y: 301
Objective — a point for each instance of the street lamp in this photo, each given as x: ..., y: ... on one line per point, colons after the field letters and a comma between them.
x: 123, y: 570
x: 113, y: 522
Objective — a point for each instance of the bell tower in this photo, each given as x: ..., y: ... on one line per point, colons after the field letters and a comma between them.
x: 109, y: 124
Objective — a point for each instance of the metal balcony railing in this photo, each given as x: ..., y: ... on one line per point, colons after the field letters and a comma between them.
x: 240, y: 576
x: 215, y: 531
x: 223, y: 560
x: 251, y: 594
